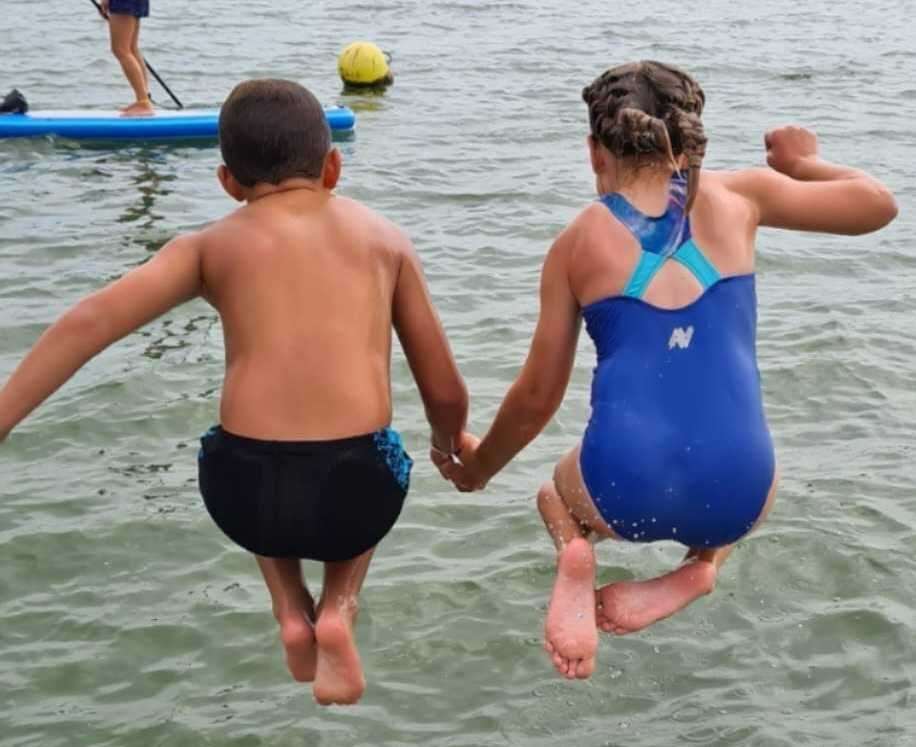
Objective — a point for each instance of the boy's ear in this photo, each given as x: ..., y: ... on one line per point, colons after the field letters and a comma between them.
x: 230, y: 184
x: 330, y: 170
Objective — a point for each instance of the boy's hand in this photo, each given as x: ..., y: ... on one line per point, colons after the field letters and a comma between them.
x: 461, y: 467
x: 788, y: 148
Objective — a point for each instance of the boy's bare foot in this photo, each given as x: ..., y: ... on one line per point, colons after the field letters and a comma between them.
x: 339, y: 677
x: 138, y: 109
x: 628, y: 606
x: 570, y: 635
x: 297, y: 632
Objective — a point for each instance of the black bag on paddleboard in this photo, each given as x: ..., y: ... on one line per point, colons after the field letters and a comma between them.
x: 14, y: 103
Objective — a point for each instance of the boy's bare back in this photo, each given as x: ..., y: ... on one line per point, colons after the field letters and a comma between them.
x: 304, y: 282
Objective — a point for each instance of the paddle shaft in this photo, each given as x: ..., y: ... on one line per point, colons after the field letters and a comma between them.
x: 146, y: 62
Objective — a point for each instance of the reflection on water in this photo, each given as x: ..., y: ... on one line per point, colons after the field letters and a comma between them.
x: 148, y: 184
x: 362, y: 100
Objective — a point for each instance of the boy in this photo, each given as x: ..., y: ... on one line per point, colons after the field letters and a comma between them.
x: 308, y: 285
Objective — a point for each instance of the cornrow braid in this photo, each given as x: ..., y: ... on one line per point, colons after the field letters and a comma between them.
x: 649, y: 109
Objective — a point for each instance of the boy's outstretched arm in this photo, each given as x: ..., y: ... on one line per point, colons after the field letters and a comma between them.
x: 170, y: 278
x: 431, y: 361
x: 802, y: 192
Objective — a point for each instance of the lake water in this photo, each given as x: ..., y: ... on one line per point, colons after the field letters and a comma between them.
x: 126, y: 618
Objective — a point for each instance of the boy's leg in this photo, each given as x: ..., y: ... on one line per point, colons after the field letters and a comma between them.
x: 339, y: 675
x: 570, y: 628
x: 294, y: 609
x: 628, y: 606
x: 122, y: 29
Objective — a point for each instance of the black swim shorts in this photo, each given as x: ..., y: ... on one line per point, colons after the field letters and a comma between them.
x: 318, y: 500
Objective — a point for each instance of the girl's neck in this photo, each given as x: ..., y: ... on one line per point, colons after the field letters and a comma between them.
x: 647, y: 189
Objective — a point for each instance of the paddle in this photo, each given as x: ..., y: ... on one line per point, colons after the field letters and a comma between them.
x: 146, y: 62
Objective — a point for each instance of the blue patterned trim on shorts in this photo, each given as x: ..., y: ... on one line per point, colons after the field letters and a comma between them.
x: 389, y: 444
x: 210, y: 431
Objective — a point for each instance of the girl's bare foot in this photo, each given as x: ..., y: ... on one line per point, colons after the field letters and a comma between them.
x: 570, y: 636
x: 628, y: 606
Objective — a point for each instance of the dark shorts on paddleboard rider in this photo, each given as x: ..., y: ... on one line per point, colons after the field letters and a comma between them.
x: 136, y: 8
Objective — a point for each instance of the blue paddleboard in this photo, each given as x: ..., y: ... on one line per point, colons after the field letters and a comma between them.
x: 163, y: 125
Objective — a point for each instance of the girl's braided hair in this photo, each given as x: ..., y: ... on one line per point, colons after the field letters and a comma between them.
x: 648, y: 109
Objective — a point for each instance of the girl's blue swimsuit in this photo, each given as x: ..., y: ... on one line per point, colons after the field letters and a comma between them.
x: 677, y: 446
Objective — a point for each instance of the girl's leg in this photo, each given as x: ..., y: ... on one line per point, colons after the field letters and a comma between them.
x: 628, y: 606
x: 339, y: 675
x: 294, y: 609
x: 570, y: 635
x: 122, y: 28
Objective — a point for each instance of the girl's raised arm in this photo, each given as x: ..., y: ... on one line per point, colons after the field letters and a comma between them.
x: 800, y: 191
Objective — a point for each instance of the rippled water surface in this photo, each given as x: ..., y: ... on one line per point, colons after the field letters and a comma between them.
x: 126, y: 618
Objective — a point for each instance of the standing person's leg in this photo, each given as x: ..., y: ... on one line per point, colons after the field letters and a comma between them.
x: 122, y: 29
x: 294, y: 609
x: 339, y: 675
x: 628, y: 606
x: 570, y: 627
x: 135, y: 48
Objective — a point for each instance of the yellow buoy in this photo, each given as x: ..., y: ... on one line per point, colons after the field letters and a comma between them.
x: 363, y: 65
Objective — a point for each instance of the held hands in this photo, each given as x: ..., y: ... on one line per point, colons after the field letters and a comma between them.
x: 789, y: 148
x: 461, y: 467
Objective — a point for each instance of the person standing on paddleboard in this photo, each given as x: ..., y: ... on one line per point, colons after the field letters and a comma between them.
x: 124, y: 24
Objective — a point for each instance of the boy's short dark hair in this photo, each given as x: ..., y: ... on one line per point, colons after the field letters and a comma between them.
x: 271, y: 130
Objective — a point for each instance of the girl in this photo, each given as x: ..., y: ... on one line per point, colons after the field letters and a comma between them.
x: 661, y: 267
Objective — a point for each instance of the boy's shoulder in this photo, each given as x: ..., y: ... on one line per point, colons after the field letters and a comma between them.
x: 250, y: 222
x: 382, y: 230
x: 366, y: 213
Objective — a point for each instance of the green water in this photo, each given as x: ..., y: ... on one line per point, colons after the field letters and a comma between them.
x: 126, y: 618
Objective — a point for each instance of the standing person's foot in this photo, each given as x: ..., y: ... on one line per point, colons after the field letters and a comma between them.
x: 339, y: 677
x: 628, y: 606
x: 570, y: 635
x: 138, y: 109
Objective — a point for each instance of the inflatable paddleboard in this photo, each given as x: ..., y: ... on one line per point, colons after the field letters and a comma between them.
x: 163, y: 125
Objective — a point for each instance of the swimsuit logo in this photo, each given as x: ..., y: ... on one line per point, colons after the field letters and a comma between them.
x: 680, y: 337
